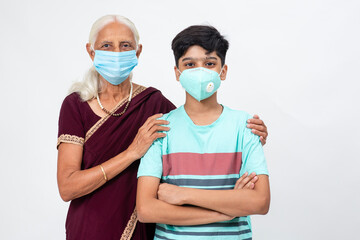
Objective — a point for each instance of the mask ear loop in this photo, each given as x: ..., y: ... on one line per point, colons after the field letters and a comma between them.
x: 92, y: 48
x: 178, y: 70
x: 221, y: 70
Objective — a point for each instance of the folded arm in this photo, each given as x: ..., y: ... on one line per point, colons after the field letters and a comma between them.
x: 236, y: 202
x: 151, y: 209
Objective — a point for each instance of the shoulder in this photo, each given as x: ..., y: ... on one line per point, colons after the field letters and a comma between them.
x: 239, y: 115
x: 72, y: 99
x: 156, y: 93
x: 240, y: 118
x: 157, y: 100
x: 174, y: 114
x: 72, y: 106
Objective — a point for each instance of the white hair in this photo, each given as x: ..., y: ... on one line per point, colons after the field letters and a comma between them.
x: 90, y: 86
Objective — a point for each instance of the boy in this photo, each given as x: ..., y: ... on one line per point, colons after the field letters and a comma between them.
x: 207, y: 149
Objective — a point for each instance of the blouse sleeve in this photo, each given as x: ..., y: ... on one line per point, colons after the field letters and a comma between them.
x: 71, y: 127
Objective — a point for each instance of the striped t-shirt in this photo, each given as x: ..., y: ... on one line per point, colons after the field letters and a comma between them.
x: 205, y: 157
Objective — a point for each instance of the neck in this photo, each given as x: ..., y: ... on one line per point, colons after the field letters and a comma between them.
x: 114, y: 92
x: 206, y: 105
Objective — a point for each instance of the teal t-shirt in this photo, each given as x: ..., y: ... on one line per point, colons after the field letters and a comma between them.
x: 205, y: 157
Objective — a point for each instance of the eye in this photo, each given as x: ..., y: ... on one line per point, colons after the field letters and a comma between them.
x: 126, y: 46
x: 210, y: 64
x: 106, y: 45
x: 190, y: 64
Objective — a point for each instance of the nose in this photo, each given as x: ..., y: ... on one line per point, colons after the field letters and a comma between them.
x: 117, y: 49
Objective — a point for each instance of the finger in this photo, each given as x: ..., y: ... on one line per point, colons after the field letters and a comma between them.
x: 256, y: 121
x: 153, y: 117
x: 256, y: 132
x: 251, y: 183
x: 157, y: 135
x: 239, y: 180
x: 158, y: 128
x: 262, y: 140
x: 261, y: 128
x: 160, y: 122
x: 256, y: 116
x: 255, y: 179
x: 149, y: 129
x: 156, y: 123
x: 247, y: 179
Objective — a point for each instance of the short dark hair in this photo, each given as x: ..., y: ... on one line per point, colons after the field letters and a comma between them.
x: 206, y: 37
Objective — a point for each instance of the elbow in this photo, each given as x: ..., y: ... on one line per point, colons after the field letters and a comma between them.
x: 263, y: 206
x: 143, y: 213
x: 259, y: 206
x: 65, y: 193
x: 64, y: 196
x: 264, y: 210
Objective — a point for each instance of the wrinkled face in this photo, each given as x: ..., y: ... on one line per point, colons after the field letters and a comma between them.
x: 197, y: 56
x: 115, y: 37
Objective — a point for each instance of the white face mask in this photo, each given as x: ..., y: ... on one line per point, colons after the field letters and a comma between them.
x: 200, y: 82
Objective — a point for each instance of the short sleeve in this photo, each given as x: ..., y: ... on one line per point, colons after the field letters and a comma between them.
x: 151, y: 162
x: 253, y: 157
x: 71, y: 127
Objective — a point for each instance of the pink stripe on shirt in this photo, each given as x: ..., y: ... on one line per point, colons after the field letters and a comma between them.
x: 201, y: 164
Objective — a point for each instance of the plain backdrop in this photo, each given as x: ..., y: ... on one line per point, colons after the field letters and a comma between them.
x: 295, y: 63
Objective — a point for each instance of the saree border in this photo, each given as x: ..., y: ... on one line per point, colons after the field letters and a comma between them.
x: 130, y: 227
x: 67, y: 138
x: 99, y: 123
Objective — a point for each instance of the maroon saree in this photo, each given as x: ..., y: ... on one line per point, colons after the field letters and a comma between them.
x: 104, y: 213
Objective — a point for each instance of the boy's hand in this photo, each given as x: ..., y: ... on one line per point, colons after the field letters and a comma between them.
x: 246, y: 181
x: 170, y: 193
x: 258, y: 127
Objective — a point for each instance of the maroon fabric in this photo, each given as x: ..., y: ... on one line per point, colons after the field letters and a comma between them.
x: 104, y: 213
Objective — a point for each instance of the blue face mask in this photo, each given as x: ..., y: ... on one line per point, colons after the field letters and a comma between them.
x: 115, y: 67
x: 200, y: 82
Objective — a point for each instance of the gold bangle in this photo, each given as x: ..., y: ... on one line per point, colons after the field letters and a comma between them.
x: 102, y: 169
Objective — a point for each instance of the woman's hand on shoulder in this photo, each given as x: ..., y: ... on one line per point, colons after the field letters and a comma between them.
x: 146, y: 135
x: 258, y: 127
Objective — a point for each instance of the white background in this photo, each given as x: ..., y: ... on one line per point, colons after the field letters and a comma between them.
x: 295, y: 63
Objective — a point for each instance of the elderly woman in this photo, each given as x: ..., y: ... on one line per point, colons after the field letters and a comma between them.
x: 106, y: 124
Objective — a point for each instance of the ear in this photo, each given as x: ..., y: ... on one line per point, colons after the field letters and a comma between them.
x: 224, y: 72
x: 138, y: 52
x: 90, y: 51
x: 177, y: 73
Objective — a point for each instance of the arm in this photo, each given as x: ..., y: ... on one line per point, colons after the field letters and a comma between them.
x: 236, y: 202
x: 151, y: 209
x: 74, y: 182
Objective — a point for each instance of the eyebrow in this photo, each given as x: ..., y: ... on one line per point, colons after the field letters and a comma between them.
x: 127, y: 42
x: 190, y: 58
x: 105, y: 42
